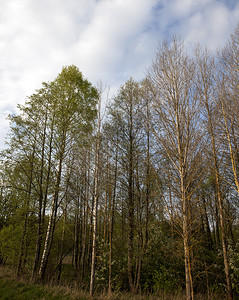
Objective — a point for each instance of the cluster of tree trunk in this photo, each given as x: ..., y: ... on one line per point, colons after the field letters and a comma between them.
x: 146, y: 199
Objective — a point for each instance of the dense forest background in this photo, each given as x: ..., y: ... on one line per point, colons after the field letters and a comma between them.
x: 141, y: 196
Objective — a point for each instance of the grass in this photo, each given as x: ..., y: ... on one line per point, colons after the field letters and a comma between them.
x: 13, y: 288
x: 10, y: 289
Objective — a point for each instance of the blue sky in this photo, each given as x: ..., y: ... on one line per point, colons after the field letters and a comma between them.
x: 109, y: 40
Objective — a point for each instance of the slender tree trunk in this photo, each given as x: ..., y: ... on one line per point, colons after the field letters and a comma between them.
x: 106, y: 218
x: 26, y: 213
x: 52, y: 217
x: 62, y: 241
x: 64, y: 228
x: 94, y: 236
x: 206, y: 71
x: 83, y: 244
x: 76, y: 236
x: 95, y: 207
x: 186, y: 230
x: 207, y: 229
x: 111, y: 218
x: 185, y: 205
x: 144, y: 238
x: 85, y: 223
x: 130, y: 203
x: 221, y: 209
x: 42, y: 202
x: 232, y: 153
x: 217, y: 225
x: 39, y: 222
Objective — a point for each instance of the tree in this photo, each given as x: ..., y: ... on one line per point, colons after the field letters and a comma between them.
x: 206, y: 88
x: 54, y: 120
x: 75, y: 111
x: 227, y: 92
x: 176, y: 110
x: 95, y: 199
x: 125, y: 123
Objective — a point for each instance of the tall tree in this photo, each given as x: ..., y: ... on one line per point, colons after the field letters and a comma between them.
x: 177, y: 112
x: 227, y: 92
x: 206, y: 88
x: 125, y: 118
x: 75, y: 111
x: 95, y: 199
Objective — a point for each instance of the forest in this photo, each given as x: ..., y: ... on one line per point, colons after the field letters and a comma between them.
x: 139, y: 194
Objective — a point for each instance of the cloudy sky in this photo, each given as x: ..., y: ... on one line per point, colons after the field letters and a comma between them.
x: 109, y: 40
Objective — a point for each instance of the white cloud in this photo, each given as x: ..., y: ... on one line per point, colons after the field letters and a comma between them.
x: 209, y: 22
x: 211, y: 26
x: 108, y: 39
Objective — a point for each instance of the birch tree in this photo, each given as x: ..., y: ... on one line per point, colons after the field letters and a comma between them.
x: 95, y: 200
x: 75, y: 111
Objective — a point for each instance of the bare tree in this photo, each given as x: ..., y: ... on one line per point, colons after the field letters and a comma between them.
x: 176, y: 111
x: 206, y: 87
x: 228, y: 92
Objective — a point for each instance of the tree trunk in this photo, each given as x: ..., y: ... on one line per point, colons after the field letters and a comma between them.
x: 95, y: 207
x: 186, y: 230
x: 76, y: 235
x: 26, y: 208
x: 42, y: 198
x: 144, y: 238
x: 111, y: 218
x: 130, y: 203
x: 206, y: 72
x: 84, y: 225
x: 52, y: 217
x: 63, y: 229
x: 220, y: 207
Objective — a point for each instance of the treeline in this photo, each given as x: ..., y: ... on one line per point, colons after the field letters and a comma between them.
x: 142, y: 199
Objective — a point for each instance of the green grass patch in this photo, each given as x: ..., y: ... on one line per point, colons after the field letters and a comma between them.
x: 10, y: 289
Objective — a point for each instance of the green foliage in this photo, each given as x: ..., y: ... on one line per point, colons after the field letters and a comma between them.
x: 10, y: 243
x: 76, y: 101
x: 10, y: 238
x: 164, y: 280
x: 163, y: 268
x: 102, y: 273
x: 119, y: 278
x: 234, y: 264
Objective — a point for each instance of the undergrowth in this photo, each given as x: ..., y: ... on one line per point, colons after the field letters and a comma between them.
x: 13, y: 288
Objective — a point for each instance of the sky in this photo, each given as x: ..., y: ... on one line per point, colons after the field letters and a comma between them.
x: 108, y: 40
